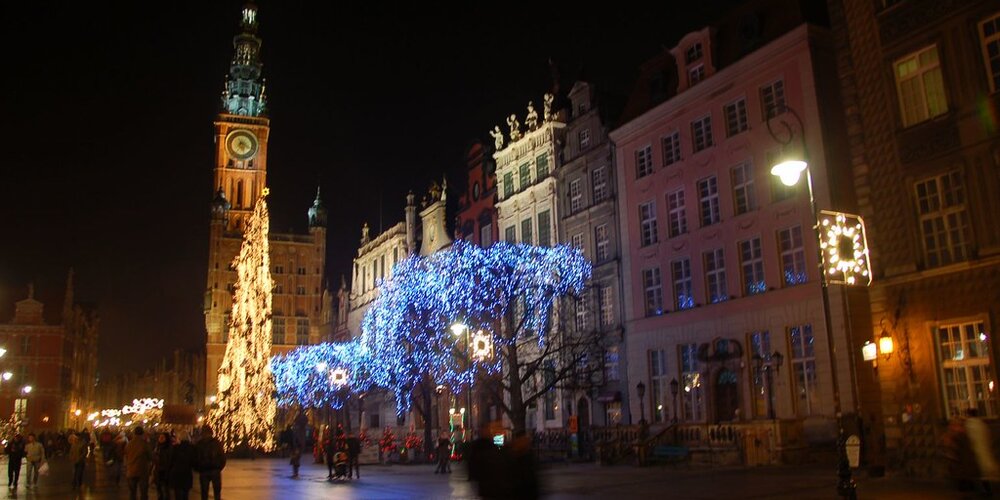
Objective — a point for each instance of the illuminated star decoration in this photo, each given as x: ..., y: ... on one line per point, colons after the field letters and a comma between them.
x: 845, y: 248
x: 245, y: 406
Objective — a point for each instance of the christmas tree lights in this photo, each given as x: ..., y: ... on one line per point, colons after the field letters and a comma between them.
x: 245, y: 409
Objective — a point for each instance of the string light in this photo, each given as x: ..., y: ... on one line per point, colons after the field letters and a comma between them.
x: 245, y: 408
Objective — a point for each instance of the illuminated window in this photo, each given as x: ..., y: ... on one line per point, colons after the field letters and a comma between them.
x: 944, y: 220
x: 920, y: 86
x: 653, y: 291
x: 691, y: 391
x: 966, y: 369
x: 611, y: 373
x: 680, y: 271
x: 804, y: 369
x: 660, y: 387
x: 752, y: 262
x: 989, y: 30
x: 301, y: 331
x: 793, y: 256
x: 715, y: 276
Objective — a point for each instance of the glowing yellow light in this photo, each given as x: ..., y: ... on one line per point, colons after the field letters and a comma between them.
x: 869, y: 351
x: 885, y: 345
x: 789, y: 171
x: 482, y: 346
x: 844, y: 248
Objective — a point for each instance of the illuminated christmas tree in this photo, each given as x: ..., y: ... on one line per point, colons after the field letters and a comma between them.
x: 245, y: 410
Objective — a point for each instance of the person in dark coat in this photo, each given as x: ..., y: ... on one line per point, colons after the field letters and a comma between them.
x: 353, y: 456
x: 15, y: 454
x: 209, y: 462
x: 179, y: 468
x: 161, y: 462
x: 443, y: 455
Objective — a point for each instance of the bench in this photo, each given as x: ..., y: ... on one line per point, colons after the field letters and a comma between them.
x: 671, y: 453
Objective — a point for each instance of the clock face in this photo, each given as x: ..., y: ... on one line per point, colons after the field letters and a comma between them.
x: 241, y: 144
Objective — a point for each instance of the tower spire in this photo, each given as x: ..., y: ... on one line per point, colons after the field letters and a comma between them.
x: 244, y: 89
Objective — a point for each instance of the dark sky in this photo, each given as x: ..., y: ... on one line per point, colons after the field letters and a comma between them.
x: 106, y: 129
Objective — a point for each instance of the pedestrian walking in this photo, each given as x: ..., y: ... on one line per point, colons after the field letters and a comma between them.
x: 35, y: 453
x: 161, y: 463
x: 181, y: 463
x: 353, y: 456
x: 329, y: 449
x: 209, y: 462
x: 443, y: 455
x: 982, y: 448
x: 107, y: 440
x: 15, y: 454
x: 138, y: 458
x: 298, y: 442
x: 78, y: 457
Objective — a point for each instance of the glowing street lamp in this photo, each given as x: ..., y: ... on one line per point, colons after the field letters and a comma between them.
x: 7, y: 375
x: 789, y: 171
x: 26, y: 389
x: 2, y: 351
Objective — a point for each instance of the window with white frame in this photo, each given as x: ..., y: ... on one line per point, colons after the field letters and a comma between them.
x: 508, y: 184
x: 966, y: 368
x: 653, y: 291
x: 599, y: 184
x: 577, y: 241
x: 643, y: 162
x: 989, y: 30
x: 611, y: 372
x: 715, y: 276
x: 676, y: 215
x: 801, y: 342
x: 920, y: 86
x: 607, y: 306
x: 744, y: 199
x: 510, y: 234
x: 944, y: 219
x: 701, y: 133
x: 708, y: 197
x: 696, y: 75
x: 671, y: 148
x: 691, y: 393
x: 772, y: 99
x: 602, y: 243
x: 736, y: 117
x: 693, y: 53
x: 584, y: 136
x: 647, y: 223
x: 544, y: 228
x: 793, y: 256
x: 760, y: 346
x: 485, y: 236
x: 581, y: 319
x: 542, y: 166
x: 660, y: 387
x: 524, y: 176
x: 526, y: 235
x: 680, y: 272
x: 278, y: 330
x: 752, y: 263
x: 575, y: 196
x: 301, y: 331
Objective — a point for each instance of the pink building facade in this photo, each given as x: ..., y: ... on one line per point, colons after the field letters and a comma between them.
x: 720, y: 260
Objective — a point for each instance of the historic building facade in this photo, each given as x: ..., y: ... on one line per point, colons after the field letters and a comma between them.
x: 476, y: 219
x: 176, y: 379
x: 723, y: 305
x: 921, y: 81
x: 298, y: 260
x: 52, y: 365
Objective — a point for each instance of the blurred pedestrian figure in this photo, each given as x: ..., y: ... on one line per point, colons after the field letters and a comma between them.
x: 161, y: 464
x: 107, y: 440
x: 329, y: 449
x: 15, y: 454
x: 353, y: 456
x: 285, y: 440
x: 982, y: 448
x: 182, y: 459
x: 78, y: 457
x: 209, y: 462
x: 35, y: 453
x: 443, y: 452
x: 298, y: 442
x: 117, y: 458
x: 138, y: 458
x: 523, y: 471
x: 488, y: 467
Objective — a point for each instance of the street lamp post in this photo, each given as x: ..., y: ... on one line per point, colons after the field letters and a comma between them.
x: 674, y: 386
x: 789, y: 170
x: 640, y: 390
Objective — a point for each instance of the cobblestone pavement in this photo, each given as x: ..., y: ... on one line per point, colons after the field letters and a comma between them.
x: 270, y: 478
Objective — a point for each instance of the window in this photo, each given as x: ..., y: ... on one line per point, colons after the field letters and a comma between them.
x: 542, y: 166
x: 693, y: 53
x: 736, y: 117
x: 966, y: 371
x: 659, y: 392
x: 643, y: 162
x: 692, y: 393
x: 526, y: 236
x: 607, y: 306
x: 300, y: 290
x: 708, y: 194
x: 701, y: 133
x: 510, y: 234
x: 990, y: 32
x: 485, y: 236
x: 524, y: 177
x: 279, y: 270
x: 577, y: 241
x: 508, y: 185
x: 680, y: 271
x: 753, y: 267
x: 301, y: 271
x: 944, y: 221
x: 647, y: 221
x: 804, y: 369
x: 920, y: 86
x: 584, y: 137
x: 602, y: 243
x: 715, y: 276
x: 544, y: 229
x: 696, y: 75
x: 301, y: 331
x: 575, y: 196
x: 793, y: 256
x: 611, y: 373
x: 760, y: 346
x: 744, y: 199
x: 26, y: 345
x: 653, y: 291
x: 278, y: 331
x: 582, y: 312
x: 600, y: 184
x: 671, y: 148
x: 549, y: 376
x: 676, y: 216
x: 772, y: 99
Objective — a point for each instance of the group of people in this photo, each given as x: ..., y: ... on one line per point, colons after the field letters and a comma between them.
x: 339, y: 450
x: 166, y: 461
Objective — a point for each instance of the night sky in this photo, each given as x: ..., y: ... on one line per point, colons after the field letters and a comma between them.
x: 106, y: 114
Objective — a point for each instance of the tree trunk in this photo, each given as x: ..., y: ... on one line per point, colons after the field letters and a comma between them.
x: 425, y: 399
x: 518, y: 413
